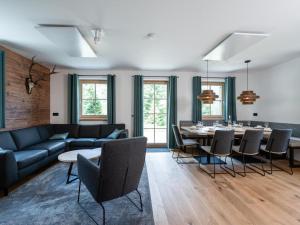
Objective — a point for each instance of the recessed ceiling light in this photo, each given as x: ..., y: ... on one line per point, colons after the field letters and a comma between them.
x: 150, y: 36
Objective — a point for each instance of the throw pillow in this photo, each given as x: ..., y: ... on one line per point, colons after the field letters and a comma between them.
x: 115, y: 134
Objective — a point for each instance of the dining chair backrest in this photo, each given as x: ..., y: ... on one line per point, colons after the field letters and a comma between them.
x: 222, y: 142
x: 186, y: 123
x: 251, y: 141
x: 177, y: 135
x: 279, y: 140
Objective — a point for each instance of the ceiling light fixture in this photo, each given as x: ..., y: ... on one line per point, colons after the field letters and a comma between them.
x: 234, y: 44
x: 207, y: 96
x: 150, y: 36
x: 248, y: 97
x: 97, y: 34
x: 67, y: 39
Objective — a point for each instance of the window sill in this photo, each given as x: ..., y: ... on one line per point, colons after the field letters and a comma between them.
x: 92, y: 119
x: 213, y: 118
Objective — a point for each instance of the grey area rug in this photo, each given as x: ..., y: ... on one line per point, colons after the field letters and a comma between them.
x: 46, y: 199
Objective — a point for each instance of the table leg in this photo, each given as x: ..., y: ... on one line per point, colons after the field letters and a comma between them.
x: 70, y: 174
x: 291, y: 157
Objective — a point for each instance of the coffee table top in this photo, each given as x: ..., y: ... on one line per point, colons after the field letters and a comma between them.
x: 71, y: 156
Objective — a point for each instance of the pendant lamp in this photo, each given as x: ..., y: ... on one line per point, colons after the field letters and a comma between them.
x: 248, y: 97
x: 207, y: 96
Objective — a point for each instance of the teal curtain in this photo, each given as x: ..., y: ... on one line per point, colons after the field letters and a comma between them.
x: 197, y: 106
x: 73, y: 98
x: 111, y: 99
x: 138, y: 120
x: 230, y: 99
x: 2, y: 89
x: 172, y: 109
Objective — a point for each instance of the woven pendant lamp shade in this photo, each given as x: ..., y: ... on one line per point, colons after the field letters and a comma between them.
x: 248, y: 97
x: 208, y: 96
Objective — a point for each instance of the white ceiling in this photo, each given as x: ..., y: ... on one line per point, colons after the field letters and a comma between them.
x: 185, y: 31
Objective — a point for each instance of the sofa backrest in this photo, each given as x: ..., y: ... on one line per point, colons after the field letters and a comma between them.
x: 7, y: 142
x: 107, y: 129
x: 89, y: 131
x: 273, y: 125
x: 45, y: 131
x: 72, y: 129
x: 26, y: 137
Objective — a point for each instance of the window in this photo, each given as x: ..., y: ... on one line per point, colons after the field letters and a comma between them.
x: 155, y: 112
x: 93, y: 100
x: 215, y: 110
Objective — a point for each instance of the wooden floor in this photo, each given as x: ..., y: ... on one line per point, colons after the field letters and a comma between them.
x: 184, y: 195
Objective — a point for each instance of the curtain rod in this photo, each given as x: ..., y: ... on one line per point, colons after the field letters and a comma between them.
x: 154, y: 76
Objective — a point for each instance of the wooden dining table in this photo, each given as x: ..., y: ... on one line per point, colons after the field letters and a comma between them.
x: 206, y: 133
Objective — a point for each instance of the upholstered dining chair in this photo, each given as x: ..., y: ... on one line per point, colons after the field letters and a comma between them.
x: 182, y: 144
x: 277, y: 144
x: 249, y: 147
x: 221, y: 147
x: 119, y: 173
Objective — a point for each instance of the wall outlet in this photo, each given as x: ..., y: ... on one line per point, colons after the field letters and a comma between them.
x: 255, y: 114
x: 55, y: 114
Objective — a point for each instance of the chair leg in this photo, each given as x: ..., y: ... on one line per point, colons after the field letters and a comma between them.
x: 232, y: 166
x: 103, y: 213
x: 214, y: 167
x: 79, y: 187
x: 141, y: 201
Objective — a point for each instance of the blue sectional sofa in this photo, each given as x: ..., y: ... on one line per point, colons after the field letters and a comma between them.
x: 24, y: 151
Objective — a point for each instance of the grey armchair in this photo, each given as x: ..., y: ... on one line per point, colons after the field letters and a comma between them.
x: 250, y: 146
x: 277, y: 144
x: 119, y: 173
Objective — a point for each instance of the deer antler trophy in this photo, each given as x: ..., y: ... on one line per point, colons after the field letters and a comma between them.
x: 29, y: 82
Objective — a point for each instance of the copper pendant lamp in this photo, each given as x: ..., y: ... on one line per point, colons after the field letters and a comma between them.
x: 207, y: 96
x: 248, y: 97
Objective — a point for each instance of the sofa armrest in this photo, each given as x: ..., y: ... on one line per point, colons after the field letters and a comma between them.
x: 8, y: 168
x: 124, y: 134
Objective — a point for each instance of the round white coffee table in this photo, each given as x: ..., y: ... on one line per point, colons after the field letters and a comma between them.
x: 71, y: 157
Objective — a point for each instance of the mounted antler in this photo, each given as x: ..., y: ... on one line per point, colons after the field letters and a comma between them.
x: 29, y: 82
x: 30, y: 67
x: 53, y: 70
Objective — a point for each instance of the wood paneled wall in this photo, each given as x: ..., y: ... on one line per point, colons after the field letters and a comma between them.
x: 24, y: 110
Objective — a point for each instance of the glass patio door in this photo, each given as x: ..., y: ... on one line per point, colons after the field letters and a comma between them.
x: 155, y: 112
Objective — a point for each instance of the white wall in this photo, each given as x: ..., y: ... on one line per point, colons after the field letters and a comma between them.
x: 278, y: 88
x: 124, y: 90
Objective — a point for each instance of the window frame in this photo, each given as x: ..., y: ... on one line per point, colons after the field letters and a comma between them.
x: 214, y: 117
x: 152, y: 145
x: 90, y: 117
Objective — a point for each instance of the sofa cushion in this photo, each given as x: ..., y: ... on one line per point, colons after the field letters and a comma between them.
x: 45, y: 131
x: 89, y: 131
x: 29, y: 157
x: 26, y: 137
x: 52, y: 146
x: 107, y: 129
x: 62, y: 136
x: 6, y: 141
x: 83, y: 142
x: 72, y: 129
x: 99, y: 142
